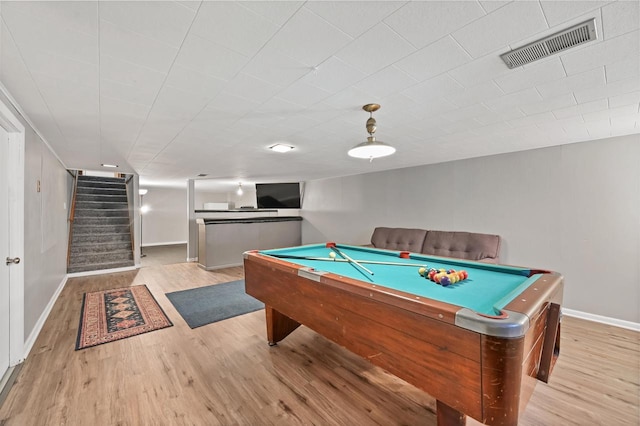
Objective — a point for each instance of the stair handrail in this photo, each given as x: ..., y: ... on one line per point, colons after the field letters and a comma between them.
x: 72, y: 215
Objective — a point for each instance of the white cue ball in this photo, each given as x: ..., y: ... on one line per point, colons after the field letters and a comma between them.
x: 332, y: 255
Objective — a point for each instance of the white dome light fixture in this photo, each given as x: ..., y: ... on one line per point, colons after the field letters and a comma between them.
x: 371, y: 148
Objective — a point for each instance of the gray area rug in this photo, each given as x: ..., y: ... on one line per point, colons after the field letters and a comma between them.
x: 205, y: 305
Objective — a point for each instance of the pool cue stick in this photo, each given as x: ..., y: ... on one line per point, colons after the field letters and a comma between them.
x: 353, y: 262
x: 329, y: 259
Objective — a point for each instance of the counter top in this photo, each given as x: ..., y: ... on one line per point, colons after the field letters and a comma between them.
x: 238, y: 211
x: 206, y: 221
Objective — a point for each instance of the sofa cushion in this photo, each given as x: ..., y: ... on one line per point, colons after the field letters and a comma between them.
x: 398, y: 239
x: 462, y: 245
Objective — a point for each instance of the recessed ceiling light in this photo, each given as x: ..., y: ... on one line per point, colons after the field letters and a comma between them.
x: 111, y: 166
x: 280, y: 147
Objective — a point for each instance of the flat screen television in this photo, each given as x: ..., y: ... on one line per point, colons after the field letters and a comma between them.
x: 278, y: 195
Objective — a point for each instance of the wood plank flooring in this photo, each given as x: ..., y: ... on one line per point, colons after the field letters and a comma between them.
x: 226, y: 374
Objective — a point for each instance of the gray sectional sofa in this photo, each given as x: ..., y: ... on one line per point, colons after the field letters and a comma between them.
x: 461, y: 245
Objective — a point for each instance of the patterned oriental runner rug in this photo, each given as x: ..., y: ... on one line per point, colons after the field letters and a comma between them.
x: 111, y: 315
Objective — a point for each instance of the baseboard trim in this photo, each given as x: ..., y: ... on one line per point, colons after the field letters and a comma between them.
x: 192, y: 259
x: 168, y: 243
x: 101, y: 271
x: 28, y: 344
x: 602, y: 319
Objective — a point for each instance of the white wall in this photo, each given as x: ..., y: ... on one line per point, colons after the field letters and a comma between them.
x: 574, y: 209
x: 166, y: 221
x: 248, y: 198
x: 45, y: 225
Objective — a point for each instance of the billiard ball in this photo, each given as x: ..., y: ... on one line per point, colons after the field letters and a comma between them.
x: 421, y: 271
x: 332, y: 255
x: 445, y: 281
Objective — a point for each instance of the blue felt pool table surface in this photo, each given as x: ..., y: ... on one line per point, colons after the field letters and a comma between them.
x: 487, y: 290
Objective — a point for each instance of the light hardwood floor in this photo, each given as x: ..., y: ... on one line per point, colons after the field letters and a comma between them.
x: 226, y: 374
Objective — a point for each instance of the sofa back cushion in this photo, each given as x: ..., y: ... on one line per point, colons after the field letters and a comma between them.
x: 463, y: 245
x: 398, y: 239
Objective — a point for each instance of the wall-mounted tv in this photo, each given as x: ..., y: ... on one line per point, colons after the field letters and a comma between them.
x: 278, y: 195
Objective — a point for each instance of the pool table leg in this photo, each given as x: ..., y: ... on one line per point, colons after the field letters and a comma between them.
x: 279, y: 325
x: 448, y: 416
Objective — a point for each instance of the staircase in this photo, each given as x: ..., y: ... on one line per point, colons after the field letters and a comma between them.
x: 101, y: 230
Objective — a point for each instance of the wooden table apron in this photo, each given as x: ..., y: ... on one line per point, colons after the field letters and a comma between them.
x: 472, y: 373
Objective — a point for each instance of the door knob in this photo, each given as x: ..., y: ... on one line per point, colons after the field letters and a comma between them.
x: 14, y: 260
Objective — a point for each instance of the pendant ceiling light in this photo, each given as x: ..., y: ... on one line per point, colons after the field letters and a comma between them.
x: 239, y: 191
x: 371, y: 148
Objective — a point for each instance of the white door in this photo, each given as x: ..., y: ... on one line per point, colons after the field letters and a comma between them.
x: 4, y: 253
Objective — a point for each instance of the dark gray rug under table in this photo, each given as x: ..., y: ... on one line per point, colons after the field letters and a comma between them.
x: 205, y: 305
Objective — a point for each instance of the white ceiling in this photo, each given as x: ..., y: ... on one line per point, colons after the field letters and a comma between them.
x: 174, y: 89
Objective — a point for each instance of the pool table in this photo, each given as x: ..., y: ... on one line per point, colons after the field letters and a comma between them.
x: 477, y: 346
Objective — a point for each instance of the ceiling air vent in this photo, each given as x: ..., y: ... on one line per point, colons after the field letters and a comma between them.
x: 563, y: 40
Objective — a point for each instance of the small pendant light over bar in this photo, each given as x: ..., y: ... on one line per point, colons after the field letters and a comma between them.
x: 371, y: 148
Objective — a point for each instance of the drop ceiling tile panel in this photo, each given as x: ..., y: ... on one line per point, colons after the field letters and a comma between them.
x: 612, y: 89
x: 604, y: 53
x: 66, y: 98
x: 32, y: 34
x: 536, y: 73
x: 468, y: 113
x: 558, y: 12
x: 135, y: 94
x: 62, y: 68
x: 493, y: 117
x: 130, y: 74
x: 580, y: 109
x: 350, y: 16
x: 476, y: 94
x: 165, y: 21
x: 278, y: 108
x: 301, y: 93
x: 424, y: 22
x: 376, y: 49
x: 350, y: 99
x: 290, y: 126
x: 551, y: 104
x: 434, y: 88
x: 386, y: 82
x: 233, y: 105
x: 133, y: 47
x: 620, y: 111
x: 501, y: 28
x: 441, y: 56
x: 210, y: 58
x: 599, y: 129
x: 277, y: 12
x: 532, y: 120
x: 623, y: 69
x: 492, y: 5
x: 625, y: 99
x: 620, y: 17
x: 593, y: 78
x: 178, y: 103
x: 189, y: 80
x: 79, y: 16
x: 250, y: 87
x: 308, y: 38
x: 233, y: 26
x: 333, y: 75
x: 514, y: 100
x: 276, y: 68
x: 191, y: 4
x: 480, y: 70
